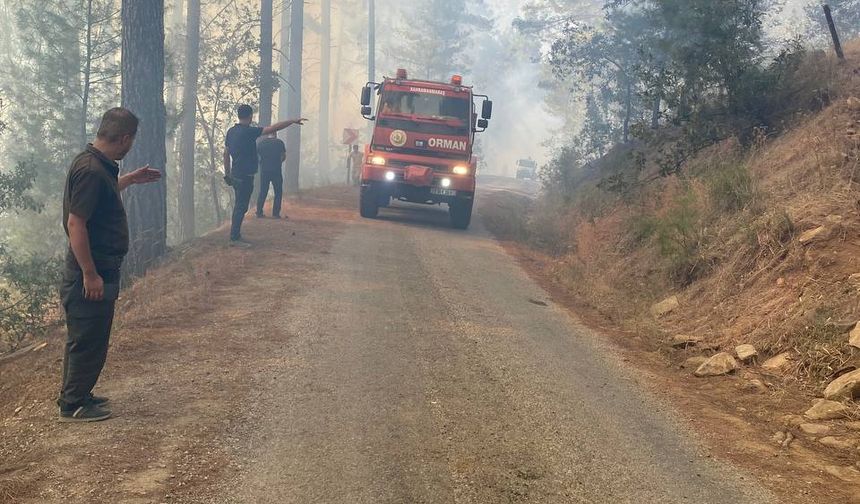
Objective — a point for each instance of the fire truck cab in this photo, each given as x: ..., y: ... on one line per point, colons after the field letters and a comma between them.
x: 421, y: 148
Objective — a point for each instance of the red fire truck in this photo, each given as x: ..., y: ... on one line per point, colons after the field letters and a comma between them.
x: 421, y: 149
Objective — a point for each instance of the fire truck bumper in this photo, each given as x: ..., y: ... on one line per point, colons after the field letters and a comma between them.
x: 390, y: 184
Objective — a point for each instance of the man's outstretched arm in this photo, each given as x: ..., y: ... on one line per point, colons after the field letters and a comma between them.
x: 283, y: 125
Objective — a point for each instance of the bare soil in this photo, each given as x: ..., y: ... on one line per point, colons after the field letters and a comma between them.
x: 175, y: 388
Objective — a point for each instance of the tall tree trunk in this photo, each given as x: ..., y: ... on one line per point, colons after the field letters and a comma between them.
x: 266, y: 62
x: 143, y: 94
x: 284, y: 60
x: 628, y: 110
x: 294, y: 95
x: 189, y: 121
x: 87, y: 77
x: 325, y: 89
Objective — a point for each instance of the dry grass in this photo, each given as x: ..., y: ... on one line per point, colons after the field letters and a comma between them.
x: 724, y: 239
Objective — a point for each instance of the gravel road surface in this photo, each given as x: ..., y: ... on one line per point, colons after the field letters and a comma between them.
x: 424, y: 366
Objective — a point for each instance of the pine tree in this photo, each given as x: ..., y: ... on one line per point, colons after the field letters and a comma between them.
x: 143, y: 94
x: 438, y: 47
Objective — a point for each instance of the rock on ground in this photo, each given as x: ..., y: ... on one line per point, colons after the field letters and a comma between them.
x: 838, y: 443
x: 819, y: 233
x: 666, y: 306
x: 685, y: 340
x: 826, y: 410
x: 846, y: 386
x: 815, y: 429
x: 848, y: 474
x: 694, y: 362
x: 720, y: 364
x: 746, y: 352
x: 854, y: 336
x: 777, y: 362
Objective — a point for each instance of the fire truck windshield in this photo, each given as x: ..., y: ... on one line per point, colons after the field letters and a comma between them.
x: 441, y: 114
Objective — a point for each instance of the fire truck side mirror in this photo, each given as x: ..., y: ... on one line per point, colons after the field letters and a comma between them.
x: 487, y: 110
x: 366, y: 111
x: 483, y: 124
x: 365, y: 97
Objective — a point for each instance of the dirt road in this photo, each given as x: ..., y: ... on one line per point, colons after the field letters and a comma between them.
x: 425, y: 366
x: 355, y: 361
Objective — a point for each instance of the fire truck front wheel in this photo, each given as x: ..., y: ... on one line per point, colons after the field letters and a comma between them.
x: 368, y: 202
x: 460, y: 212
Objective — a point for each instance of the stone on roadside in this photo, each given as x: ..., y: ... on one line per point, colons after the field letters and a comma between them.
x: 753, y: 385
x: 685, y: 340
x: 826, y: 410
x: 854, y: 337
x: 665, y: 307
x: 838, y: 443
x: 853, y: 103
x: 846, y: 386
x: 778, y: 437
x: 819, y: 233
x: 694, y: 362
x: 814, y: 429
x: 746, y: 352
x: 845, y: 473
x: 777, y: 362
x: 720, y: 364
x: 792, y: 420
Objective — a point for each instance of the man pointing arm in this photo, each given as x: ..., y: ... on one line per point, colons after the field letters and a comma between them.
x: 240, y: 163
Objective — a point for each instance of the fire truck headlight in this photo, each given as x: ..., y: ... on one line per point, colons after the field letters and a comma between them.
x: 389, y: 176
x: 446, y: 182
x: 377, y: 160
x: 460, y: 170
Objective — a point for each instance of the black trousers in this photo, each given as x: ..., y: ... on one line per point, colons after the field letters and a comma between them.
x: 276, y: 178
x: 243, y: 187
x: 89, y: 326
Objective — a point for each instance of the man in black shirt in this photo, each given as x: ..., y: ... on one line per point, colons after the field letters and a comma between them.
x: 95, y: 222
x: 272, y: 154
x: 240, y: 163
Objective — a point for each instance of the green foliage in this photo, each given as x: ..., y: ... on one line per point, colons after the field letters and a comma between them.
x: 731, y: 187
x: 440, y: 46
x: 28, y: 291
x: 681, y: 239
x: 14, y: 186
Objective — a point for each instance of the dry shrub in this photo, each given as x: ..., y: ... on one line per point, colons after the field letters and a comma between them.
x: 183, y: 286
x: 820, y: 348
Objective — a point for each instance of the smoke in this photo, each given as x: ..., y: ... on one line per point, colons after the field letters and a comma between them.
x: 507, y: 68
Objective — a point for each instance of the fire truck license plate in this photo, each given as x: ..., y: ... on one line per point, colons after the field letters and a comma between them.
x: 443, y: 192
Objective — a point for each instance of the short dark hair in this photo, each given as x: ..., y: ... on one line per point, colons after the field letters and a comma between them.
x: 117, y: 123
x: 244, y: 111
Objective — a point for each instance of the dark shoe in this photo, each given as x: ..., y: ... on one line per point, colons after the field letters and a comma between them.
x: 276, y: 216
x: 97, y: 400
x: 240, y: 243
x: 261, y: 216
x: 85, y: 413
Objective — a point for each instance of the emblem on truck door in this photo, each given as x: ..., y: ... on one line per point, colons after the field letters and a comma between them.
x: 398, y: 138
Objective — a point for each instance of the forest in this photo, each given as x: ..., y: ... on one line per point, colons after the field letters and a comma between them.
x: 572, y: 80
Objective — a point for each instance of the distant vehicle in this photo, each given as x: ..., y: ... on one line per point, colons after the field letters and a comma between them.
x: 526, y: 169
x: 421, y: 149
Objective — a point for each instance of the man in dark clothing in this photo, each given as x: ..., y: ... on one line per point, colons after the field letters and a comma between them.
x: 95, y: 222
x: 240, y: 163
x: 272, y: 154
